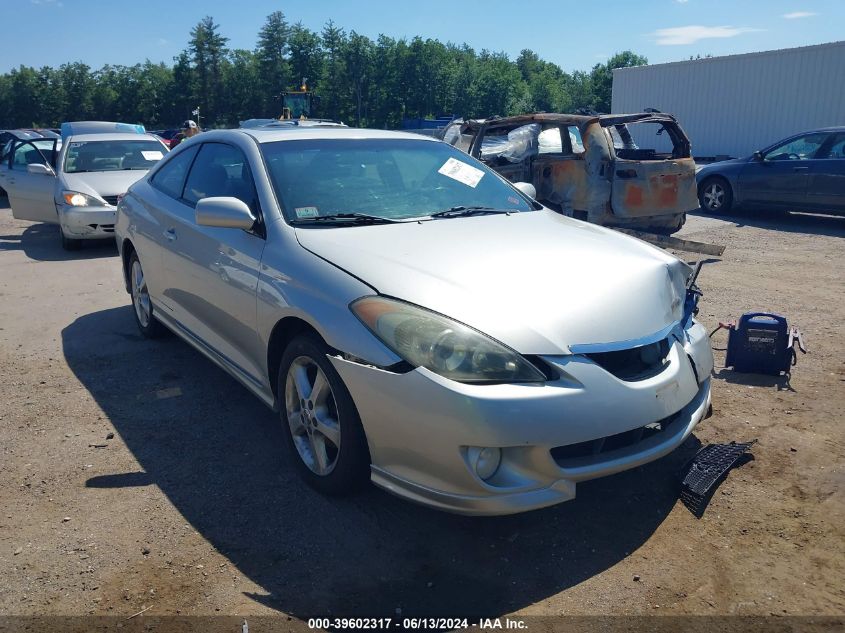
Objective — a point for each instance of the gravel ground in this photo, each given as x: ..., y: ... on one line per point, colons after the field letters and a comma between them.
x: 135, y: 474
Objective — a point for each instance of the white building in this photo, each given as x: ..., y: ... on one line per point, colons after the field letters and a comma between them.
x: 740, y: 103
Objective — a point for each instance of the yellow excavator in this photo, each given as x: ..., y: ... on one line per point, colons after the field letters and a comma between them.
x: 298, y: 104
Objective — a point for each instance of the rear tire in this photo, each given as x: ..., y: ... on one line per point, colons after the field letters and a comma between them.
x: 142, y: 306
x: 320, y: 423
x: 715, y: 196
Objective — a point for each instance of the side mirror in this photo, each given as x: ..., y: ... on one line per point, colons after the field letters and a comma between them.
x: 527, y: 188
x: 39, y: 170
x: 758, y: 155
x: 227, y: 213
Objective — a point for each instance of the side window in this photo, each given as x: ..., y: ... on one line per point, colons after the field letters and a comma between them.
x: 837, y: 148
x: 25, y: 153
x: 220, y: 170
x: 549, y: 141
x: 575, y: 139
x: 801, y: 148
x: 171, y: 177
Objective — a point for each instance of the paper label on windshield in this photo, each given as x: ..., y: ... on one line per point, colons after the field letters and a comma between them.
x: 467, y: 174
x: 153, y: 155
x: 306, y: 212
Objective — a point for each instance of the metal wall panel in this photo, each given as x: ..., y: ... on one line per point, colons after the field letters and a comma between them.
x: 740, y: 103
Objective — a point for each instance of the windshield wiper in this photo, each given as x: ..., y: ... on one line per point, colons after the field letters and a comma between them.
x: 346, y: 218
x: 461, y: 211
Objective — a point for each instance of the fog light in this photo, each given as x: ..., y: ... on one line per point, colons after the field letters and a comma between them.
x: 484, y: 461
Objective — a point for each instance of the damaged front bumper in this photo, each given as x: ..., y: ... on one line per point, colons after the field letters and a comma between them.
x: 87, y: 222
x: 586, y: 423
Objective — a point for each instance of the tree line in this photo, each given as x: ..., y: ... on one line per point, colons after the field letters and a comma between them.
x: 363, y: 82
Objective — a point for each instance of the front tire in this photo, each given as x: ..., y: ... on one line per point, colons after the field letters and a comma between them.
x: 715, y: 195
x: 142, y: 306
x: 69, y: 243
x: 320, y: 422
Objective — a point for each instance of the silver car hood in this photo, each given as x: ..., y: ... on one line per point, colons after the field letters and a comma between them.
x: 538, y: 282
x: 101, y: 183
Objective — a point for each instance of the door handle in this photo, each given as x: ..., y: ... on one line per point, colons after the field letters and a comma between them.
x: 800, y: 168
x: 170, y: 234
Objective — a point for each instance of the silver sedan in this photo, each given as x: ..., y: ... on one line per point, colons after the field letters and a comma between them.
x: 415, y: 319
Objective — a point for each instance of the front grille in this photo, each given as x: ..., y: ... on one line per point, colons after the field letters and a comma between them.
x: 580, y: 454
x: 112, y: 200
x: 108, y: 228
x: 636, y: 363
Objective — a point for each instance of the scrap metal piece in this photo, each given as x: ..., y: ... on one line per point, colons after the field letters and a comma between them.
x: 706, y: 470
x: 677, y: 243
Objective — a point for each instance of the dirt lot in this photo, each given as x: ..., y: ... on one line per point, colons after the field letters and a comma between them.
x: 191, y: 507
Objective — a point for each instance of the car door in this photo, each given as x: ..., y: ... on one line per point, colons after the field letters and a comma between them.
x: 31, y: 196
x: 827, y: 176
x: 780, y: 175
x: 211, y: 273
x: 6, y: 143
x: 151, y: 215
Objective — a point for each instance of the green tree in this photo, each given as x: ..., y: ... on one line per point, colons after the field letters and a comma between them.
x: 333, y: 94
x: 357, y: 65
x: 208, y: 50
x: 271, y: 55
x: 358, y: 80
x: 306, y: 55
x: 601, y: 77
x: 243, y: 96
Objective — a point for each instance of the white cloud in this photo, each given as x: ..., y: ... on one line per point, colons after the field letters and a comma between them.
x: 680, y: 35
x: 798, y: 14
x: 162, y: 41
x: 681, y: 1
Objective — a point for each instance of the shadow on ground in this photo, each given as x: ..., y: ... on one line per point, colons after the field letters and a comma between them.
x: 42, y: 242
x: 781, y: 383
x: 790, y: 222
x: 217, y: 453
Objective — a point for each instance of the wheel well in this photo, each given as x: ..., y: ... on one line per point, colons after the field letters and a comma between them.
x: 283, y: 333
x: 721, y: 179
x: 126, y: 253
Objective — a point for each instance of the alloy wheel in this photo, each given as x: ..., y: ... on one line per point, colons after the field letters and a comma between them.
x: 140, y: 295
x: 312, y: 416
x: 714, y: 196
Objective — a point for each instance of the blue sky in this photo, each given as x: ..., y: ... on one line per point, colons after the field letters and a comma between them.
x: 574, y: 34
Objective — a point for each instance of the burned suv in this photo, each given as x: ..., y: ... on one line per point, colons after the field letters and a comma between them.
x: 628, y: 170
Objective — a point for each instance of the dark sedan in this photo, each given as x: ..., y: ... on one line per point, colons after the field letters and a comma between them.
x: 805, y: 172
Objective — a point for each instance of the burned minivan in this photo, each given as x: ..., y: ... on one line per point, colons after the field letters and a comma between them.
x: 626, y: 170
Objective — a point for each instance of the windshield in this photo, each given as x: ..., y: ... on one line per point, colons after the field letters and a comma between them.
x: 386, y: 178
x: 83, y: 156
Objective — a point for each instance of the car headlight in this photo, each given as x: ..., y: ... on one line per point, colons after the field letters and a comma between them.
x: 446, y: 347
x: 76, y: 199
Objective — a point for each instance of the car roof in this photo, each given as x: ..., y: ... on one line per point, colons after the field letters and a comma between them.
x: 835, y: 128
x: 114, y: 136
x: 269, y: 135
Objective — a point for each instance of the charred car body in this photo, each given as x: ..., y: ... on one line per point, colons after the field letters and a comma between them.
x: 627, y: 170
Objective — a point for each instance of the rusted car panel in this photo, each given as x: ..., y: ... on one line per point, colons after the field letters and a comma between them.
x: 592, y: 166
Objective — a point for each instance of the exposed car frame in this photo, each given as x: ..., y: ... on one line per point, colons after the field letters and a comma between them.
x: 610, y: 181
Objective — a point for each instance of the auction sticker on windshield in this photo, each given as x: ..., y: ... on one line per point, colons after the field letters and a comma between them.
x: 456, y: 170
x: 153, y: 155
x: 306, y: 212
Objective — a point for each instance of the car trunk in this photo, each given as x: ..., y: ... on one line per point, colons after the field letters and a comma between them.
x: 653, y: 172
